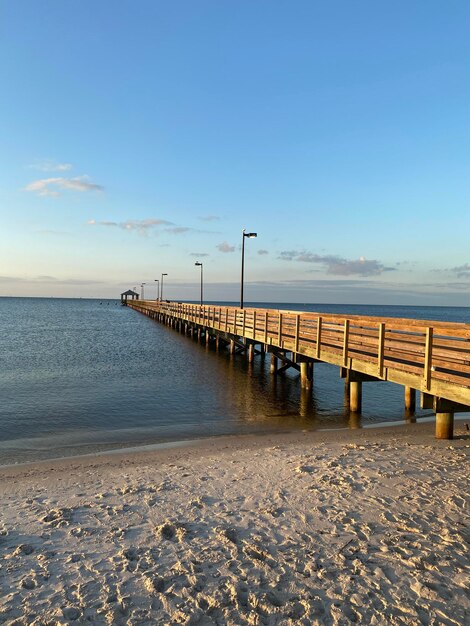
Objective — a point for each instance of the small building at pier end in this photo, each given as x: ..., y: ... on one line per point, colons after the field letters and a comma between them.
x: 128, y: 294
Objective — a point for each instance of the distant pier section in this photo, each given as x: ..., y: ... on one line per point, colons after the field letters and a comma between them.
x: 426, y: 356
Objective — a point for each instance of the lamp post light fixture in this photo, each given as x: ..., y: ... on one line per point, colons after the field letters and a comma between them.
x: 250, y: 236
x: 142, y: 290
x: 161, y: 287
x: 200, y: 265
x: 158, y: 287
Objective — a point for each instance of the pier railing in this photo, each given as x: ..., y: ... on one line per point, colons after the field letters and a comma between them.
x: 430, y: 356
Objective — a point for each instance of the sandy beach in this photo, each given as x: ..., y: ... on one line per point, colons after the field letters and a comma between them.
x: 366, y: 526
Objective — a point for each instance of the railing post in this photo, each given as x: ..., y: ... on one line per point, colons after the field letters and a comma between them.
x: 428, y: 358
x: 319, y: 328
x: 380, y: 351
x: 279, y: 335
x: 345, y: 343
x: 297, y: 328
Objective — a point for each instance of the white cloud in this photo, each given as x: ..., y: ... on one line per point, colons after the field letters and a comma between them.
x: 336, y: 265
x: 178, y: 230
x: 225, y: 247
x: 209, y: 218
x: 146, y: 225
x: 141, y: 226
x: 50, y: 186
x: 362, y: 267
x: 48, y: 165
x: 462, y: 271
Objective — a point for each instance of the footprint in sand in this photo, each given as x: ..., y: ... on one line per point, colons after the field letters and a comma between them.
x: 29, y: 582
x: 83, y: 532
x: 240, y: 594
x: 274, y: 598
x: 118, y: 533
x: 131, y: 554
x: 23, y: 549
x: 457, y: 501
x: 389, y: 517
x: 255, y: 552
x: 276, y: 512
x: 170, y: 531
x: 74, y: 558
x: 71, y: 613
x: 166, y: 485
x: 155, y: 584
x: 229, y: 534
x: 166, y: 531
x: 58, y: 517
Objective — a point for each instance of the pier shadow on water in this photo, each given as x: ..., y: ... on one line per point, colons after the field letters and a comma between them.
x: 278, y: 402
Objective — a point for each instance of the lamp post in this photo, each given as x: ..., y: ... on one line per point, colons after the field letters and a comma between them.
x: 250, y: 236
x: 200, y: 265
x: 161, y: 287
x: 158, y: 286
x: 142, y: 290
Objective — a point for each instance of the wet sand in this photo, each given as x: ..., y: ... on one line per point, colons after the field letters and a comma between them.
x: 339, y: 527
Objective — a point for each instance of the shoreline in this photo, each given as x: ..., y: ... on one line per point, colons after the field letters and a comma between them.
x: 410, y: 430
x: 319, y: 527
x: 196, y: 442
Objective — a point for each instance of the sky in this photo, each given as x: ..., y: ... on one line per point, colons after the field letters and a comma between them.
x: 139, y: 137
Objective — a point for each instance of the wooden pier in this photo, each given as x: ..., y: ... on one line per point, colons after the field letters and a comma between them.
x: 426, y: 356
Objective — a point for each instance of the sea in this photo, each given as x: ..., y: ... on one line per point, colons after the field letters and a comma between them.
x: 81, y: 376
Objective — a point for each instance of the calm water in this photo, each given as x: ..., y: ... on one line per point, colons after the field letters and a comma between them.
x: 78, y: 376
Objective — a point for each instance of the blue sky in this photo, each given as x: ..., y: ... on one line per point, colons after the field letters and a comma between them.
x: 138, y: 137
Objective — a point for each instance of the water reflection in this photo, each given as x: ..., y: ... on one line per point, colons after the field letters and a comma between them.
x: 257, y: 397
x: 269, y: 400
x: 354, y: 420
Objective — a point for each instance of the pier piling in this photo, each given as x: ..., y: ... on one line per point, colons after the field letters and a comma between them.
x: 305, y: 375
x: 444, y: 425
x: 410, y: 399
x: 355, y: 396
